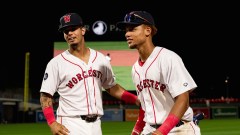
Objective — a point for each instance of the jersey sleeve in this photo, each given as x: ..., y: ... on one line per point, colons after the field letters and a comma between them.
x: 178, y: 78
x: 50, y: 80
x: 109, y: 76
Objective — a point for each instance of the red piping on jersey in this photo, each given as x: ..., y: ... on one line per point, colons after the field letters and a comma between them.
x: 94, y: 85
x: 139, y: 80
x: 148, y: 88
x: 83, y: 79
x: 193, y: 128
x: 95, y: 57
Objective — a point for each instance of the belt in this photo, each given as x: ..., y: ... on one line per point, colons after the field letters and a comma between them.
x: 156, y: 125
x: 181, y: 122
x: 89, y: 118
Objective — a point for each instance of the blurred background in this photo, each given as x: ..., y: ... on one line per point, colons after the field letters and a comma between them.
x: 204, y: 34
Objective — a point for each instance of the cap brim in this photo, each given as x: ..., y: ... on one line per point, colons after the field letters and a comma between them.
x: 122, y: 25
x: 61, y: 29
x: 64, y: 27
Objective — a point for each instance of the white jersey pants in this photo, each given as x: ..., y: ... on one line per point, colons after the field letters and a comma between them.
x: 77, y: 126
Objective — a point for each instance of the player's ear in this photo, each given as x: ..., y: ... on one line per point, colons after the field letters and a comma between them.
x: 83, y: 29
x: 148, y: 30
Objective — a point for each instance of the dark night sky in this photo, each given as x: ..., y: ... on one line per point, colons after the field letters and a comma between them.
x: 203, y: 34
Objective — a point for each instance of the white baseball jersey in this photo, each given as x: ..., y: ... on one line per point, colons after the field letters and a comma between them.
x: 162, y: 77
x: 78, y: 84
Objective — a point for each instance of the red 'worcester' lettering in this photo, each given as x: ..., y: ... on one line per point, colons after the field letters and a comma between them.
x: 146, y: 83
x: 79, y: 77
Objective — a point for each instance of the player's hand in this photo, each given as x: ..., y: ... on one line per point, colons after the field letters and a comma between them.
x: 58, y: 129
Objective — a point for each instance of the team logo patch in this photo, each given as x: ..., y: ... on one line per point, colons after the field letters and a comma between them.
x: 67, y: 18
x: 45, y: 76
x: 185, y: 84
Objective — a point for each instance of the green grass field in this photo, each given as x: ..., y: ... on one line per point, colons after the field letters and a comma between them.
x: 208, y: 127
x: 123, y: 77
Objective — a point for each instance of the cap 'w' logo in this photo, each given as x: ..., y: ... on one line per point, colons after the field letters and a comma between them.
x: 67, y: 18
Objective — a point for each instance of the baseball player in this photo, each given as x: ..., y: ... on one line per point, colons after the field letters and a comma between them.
x: 78, y: 76
x: 162, y: 82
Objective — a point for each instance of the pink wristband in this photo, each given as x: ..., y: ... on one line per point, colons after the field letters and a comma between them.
x: 129, y: 97
x: 168, y: 124
x: 49, y: 115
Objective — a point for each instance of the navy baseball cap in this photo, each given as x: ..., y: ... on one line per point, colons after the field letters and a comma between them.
x: 136, y: 18
x: 70, y: 19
